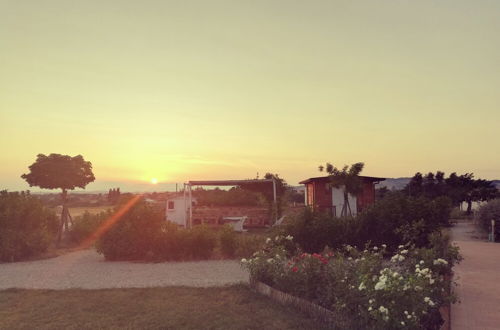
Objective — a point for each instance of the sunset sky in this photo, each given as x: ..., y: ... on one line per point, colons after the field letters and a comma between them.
x: 180, y: 90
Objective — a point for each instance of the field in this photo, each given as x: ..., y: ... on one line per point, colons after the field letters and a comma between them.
x: 76, y: 211
x: 232, y: 307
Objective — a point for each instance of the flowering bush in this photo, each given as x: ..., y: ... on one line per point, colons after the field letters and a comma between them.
x: 402, y: 291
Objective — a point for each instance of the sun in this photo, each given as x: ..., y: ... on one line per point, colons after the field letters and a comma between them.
x: 154, y: 180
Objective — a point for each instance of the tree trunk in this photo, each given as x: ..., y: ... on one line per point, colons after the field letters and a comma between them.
x: 64, y: 217
x: 346, y: 205
x: 469, y: 207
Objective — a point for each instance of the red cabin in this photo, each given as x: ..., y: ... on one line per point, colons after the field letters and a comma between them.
x: 322, y: 196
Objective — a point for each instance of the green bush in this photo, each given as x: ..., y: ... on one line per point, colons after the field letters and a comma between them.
x: 143, y: 234
x: 136, y: 235
x: 201, y: 242
x: 228, y: 241
x: 26, y: 226
x: 488, y: 212
x: 248, y: 244
x: 394, y: 220
x: 86, y: 224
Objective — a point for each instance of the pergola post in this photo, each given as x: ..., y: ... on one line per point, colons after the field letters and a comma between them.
x: 274, y: 200
x: 190, y: 206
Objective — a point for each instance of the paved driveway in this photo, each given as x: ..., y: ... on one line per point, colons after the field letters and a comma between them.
x: 86, y: 269
x: 478, y: 277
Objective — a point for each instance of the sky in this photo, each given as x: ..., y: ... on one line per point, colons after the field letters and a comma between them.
x: 186, y: 90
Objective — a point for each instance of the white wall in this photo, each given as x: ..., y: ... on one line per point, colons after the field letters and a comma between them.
x: 179, y: 214
x: 338, y: 201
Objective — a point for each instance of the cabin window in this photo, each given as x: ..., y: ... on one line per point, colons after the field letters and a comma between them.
x: 171, y: 205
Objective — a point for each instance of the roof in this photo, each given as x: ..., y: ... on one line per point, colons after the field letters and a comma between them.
x: 227, y: 182
x: 326, y: 178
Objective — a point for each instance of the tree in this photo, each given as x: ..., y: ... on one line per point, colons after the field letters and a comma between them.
x: 63, y: 172
x: 348, y: 179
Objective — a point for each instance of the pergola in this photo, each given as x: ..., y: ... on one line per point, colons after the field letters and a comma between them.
x: 190, y: 184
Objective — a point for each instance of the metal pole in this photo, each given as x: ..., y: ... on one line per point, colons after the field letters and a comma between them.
x: 185, y: 204
x: 190, y: 207
x: 274, y: 198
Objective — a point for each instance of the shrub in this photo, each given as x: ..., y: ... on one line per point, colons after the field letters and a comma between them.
x: 26, y: 226
x: 86, y: 224
x: 486, y: 213
x: 394, y: 220
x: 143, y: 234
x: 361, y: 286
x: 228, y: 241
x: 201, y: 242
x: 136, y: 235
x: 248, y: 244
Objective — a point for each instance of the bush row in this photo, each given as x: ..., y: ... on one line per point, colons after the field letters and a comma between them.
x: 393, y: 221
x: 27, y: 227
x: 142, y: 234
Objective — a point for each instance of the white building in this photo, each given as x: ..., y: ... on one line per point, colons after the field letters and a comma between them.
x: 177, y: 210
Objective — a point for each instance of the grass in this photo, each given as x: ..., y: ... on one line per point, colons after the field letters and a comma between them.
x: 232, y: 307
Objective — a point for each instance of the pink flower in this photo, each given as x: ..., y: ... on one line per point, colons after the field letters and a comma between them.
x: 295, y: 269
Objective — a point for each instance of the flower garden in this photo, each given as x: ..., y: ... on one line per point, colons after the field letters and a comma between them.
x: 372, y: 287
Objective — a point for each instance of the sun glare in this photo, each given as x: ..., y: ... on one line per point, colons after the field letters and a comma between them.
x: 154, y: 180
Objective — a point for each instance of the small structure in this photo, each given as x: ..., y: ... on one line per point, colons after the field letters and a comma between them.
x: 177, y: 209
x: 182, y: 210
x: 322, y: 196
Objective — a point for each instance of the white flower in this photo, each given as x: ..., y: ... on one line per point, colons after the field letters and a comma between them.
x: 362, y: 286
x: 421, y: 262
x: 431, y: 281
x: 270, y: 260
x: 375, y: 248
x: 406, y: 312
x: 349, y: 258
x: 440, y: 261
x: 244, y: 261
x: 395, y: 274
x: 428, y: 301
x: 408, y: 317
x: 404, y: 251
x: 401, y: 247
x: 370, y: 308
x: 401, y: 258
x: 289, y: 237
x: 418, y: 288
x: 402, y: 323
x: 371, y: 301
x: 268, y: 240
x: 363, y: 258
x: 276, y: 238
x: 383, y: 310
x: 384, y: 246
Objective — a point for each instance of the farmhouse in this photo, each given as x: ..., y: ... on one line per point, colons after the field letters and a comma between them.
x: 322, y: 196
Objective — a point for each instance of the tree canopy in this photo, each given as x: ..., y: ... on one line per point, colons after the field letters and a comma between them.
x: 459, y: 188
x: 57, y: 171
x: 346, y: 178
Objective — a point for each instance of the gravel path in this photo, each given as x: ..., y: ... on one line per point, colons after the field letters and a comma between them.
x: 87, y: 269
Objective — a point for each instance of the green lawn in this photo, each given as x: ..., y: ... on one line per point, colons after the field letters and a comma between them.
x: 233, y: 307
x: 76, y: 211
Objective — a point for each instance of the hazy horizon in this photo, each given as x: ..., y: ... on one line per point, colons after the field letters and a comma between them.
x: 179, y: 91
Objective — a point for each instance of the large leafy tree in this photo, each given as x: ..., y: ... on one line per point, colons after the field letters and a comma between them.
x: 459, y: 188
x: 63, y: 172
x: 346, y: 178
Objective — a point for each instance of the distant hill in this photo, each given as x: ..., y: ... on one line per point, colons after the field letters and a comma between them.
x: 394, y: 183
